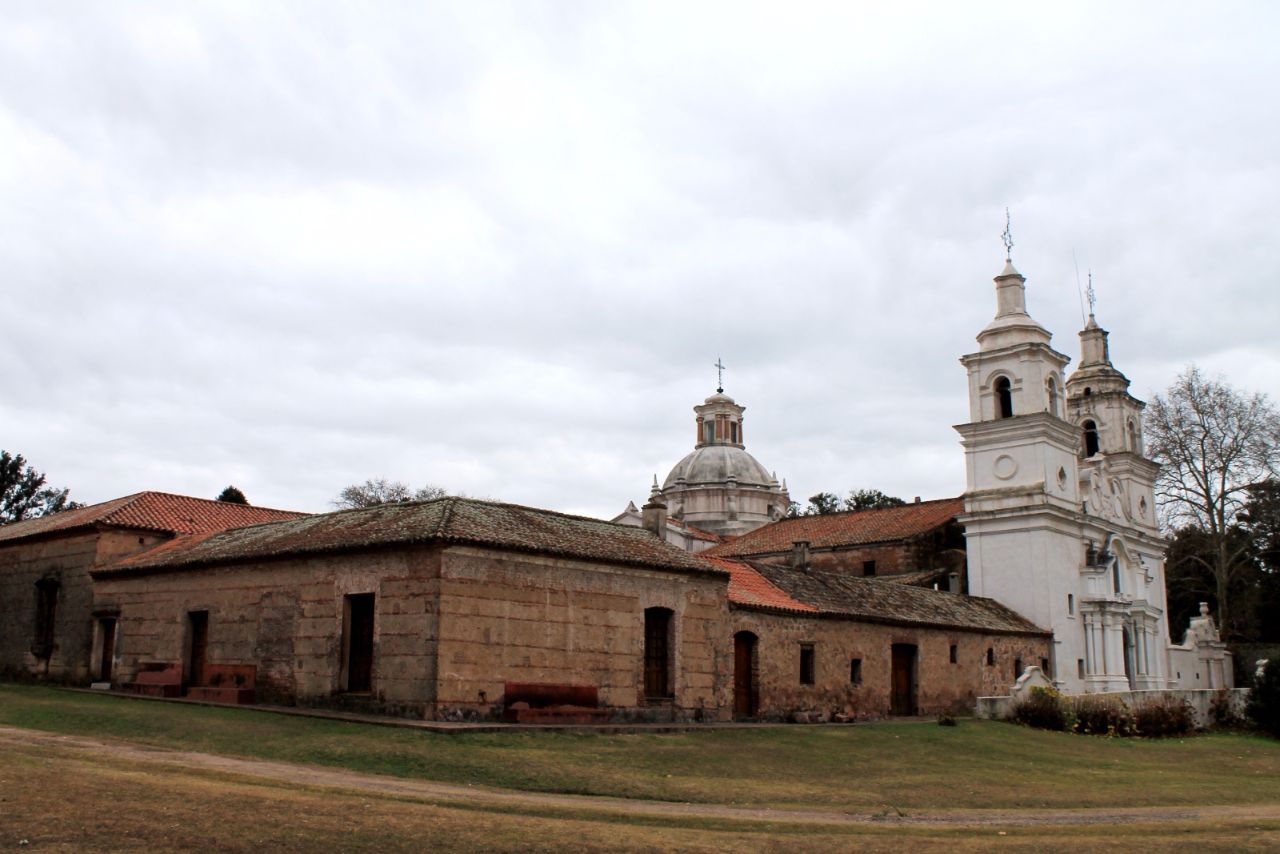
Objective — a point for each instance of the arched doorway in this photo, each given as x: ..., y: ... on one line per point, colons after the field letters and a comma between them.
x: 745, y: 690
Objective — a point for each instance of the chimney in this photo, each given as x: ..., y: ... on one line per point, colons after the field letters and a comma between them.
x: 653, y: 518
x: 800, y: 554
x: 917, y: 499
x: 953, y: 582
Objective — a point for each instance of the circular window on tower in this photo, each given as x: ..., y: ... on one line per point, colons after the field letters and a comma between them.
x: 1004, y: 467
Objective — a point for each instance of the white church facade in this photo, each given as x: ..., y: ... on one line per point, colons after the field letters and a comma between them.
x: 1060, y: 502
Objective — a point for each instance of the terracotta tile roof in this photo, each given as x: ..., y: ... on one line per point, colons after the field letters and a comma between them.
x: 835, y: 593
x: 149, y: 511
x: 918, y: 578
x: 748, y: 587
x: 444, y: 520
x: 696, y: 533
x: 856, y: 527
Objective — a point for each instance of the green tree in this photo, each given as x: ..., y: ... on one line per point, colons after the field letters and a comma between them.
x: 232, y: 495
x: 376, y: 491
x: 1213, y: 444
x: 870, y: 499
x: 23, y: 493
x: 822, y: 504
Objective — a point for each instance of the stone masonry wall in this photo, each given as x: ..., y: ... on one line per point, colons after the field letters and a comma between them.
x: 68, y: 560
x: 523, y: 618
x: 941, y: 685
x: 286, y: 617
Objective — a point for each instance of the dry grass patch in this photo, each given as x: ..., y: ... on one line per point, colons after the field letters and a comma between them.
x: 907, y: 766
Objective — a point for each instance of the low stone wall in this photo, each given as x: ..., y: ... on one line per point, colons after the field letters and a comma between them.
x: 1200, y: 700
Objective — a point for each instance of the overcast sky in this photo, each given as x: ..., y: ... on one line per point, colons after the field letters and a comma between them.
x: 498, y: 247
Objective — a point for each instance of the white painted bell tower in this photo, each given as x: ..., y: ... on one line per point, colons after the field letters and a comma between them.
x: 1033, y: 541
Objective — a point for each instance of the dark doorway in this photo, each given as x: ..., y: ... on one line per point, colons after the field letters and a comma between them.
x: 744, y: 675
x: 657, y: 653
x: 358, y: 648
x: 46, y: 614
x: 197, y: 646
x: 108, y: 654
x: 903, y: 701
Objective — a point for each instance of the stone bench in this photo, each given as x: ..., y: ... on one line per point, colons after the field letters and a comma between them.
x: 552, y: 703
x: 226, y: 683
x: 157, y: 679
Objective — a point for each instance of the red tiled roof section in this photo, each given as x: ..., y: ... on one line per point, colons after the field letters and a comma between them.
x: 448, y: 520
x: 748, y: 587
x: 857, y: 527
x: 150, y: 511
x: 696, y: 533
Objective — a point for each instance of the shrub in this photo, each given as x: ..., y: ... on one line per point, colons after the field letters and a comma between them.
x: 1264, y: 699
x: 1100, y: 715
x: 1164, y: 716
x: 1043, y: 708
x: 1224, y: 712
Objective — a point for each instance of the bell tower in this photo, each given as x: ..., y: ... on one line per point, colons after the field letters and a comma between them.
x: 1056, y: 492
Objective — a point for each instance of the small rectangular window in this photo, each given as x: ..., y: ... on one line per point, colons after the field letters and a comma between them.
x: 991, y: 656
x: 806, y: 664
x: 954, y: 654
x: 1080, y: 667
x: 1044, y: 667
x: 1071, y: 605
x: 868, y: 567
x: 1017, y: 668
x: 855, y: 671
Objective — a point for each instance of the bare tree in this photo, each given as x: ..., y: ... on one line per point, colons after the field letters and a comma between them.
x: 1213, y: 444
x: 382, y: 491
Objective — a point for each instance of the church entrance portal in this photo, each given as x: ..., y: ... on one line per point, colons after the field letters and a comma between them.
x: 745, y: 691
x: 903, y: 700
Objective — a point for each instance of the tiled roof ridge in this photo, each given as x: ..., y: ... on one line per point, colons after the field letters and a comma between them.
x: 449, y: 519
x: 161, y: 492
x: 825, y: 530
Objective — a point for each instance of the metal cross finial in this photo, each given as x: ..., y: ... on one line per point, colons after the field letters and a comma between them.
x: 719, y: 375
x: 1007, y: 237
x: 1089, y: 295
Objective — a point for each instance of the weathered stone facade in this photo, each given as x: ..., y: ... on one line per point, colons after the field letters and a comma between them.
x: 61, y: 565
x: 940, y: 684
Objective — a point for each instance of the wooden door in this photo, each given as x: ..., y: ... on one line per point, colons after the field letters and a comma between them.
x: 903, y: 699
x: 744, y: 675
x: 108, y: 650
x: 360, y: 642
x: 657, y: 653
x: 198, y: 626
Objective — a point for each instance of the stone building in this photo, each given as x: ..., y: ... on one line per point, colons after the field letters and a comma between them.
x: 47, y: 628
x: 821, y: 644
x: 429, y: 609
x: 922, y: 540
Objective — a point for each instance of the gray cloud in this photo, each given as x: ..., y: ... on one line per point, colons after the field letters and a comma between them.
x: 497, y: 247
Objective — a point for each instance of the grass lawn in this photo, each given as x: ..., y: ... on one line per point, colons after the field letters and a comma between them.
x: 61, y: 800
x: 908, y: 766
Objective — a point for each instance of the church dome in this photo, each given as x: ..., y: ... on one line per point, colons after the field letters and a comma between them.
x: 717, y: 464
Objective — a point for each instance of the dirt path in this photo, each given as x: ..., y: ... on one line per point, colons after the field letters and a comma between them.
x: 509, y: 799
